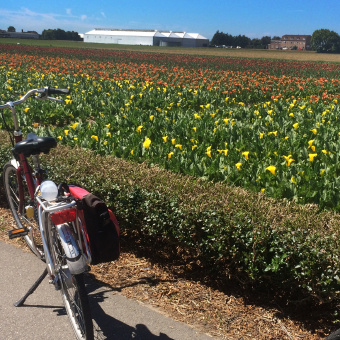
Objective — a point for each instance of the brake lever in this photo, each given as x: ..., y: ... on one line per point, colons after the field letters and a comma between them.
x: 44, y: 96
x: 56, y: 99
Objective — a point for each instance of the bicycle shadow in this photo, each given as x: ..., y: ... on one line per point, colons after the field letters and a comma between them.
x: 108, y: 327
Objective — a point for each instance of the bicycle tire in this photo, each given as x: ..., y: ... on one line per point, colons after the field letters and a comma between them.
x: 334, y: 336
x: 73, y: 291
x: 11, y: 186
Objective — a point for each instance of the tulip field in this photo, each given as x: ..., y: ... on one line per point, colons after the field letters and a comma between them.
x: 270, y: 126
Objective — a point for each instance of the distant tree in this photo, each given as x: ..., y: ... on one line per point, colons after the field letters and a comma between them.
x: 59, y: 34
x: 325, y: 41
x: 256, y: 43
x: 265, y: 41
x: 276, y: 37
x: 11, y: 29
x: 221, y: 38
x: 229, y: 40
x: 47, y: 34
x: 218, y: 39
x: 242, y: 41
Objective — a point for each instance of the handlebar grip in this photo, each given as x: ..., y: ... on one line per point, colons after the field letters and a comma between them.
x: 53, y: 90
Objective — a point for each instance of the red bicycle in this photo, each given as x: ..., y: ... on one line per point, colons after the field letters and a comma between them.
x: 48, y: 219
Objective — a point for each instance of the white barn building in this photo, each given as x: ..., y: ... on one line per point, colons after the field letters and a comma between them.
x: 145, y: 37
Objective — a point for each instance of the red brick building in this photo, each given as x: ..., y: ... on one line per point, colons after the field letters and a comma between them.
x: 291, y: 42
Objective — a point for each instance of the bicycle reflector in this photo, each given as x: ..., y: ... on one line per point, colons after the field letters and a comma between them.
x: 63, y: 216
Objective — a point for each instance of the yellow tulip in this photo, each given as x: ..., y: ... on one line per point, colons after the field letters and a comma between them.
x: 246, y: 154
x: 147, y: 143
x: 271, y: 169
x: 310, y: 143
x: 208, y: 152
x: 74, y: 126
x: 312, y: 156
x: 290, y: 160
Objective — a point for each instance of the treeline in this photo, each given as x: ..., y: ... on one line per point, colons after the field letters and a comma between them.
x: 220, y: 39
x: 59, y: 34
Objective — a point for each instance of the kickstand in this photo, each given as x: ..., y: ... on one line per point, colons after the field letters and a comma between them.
x: 32, y: 289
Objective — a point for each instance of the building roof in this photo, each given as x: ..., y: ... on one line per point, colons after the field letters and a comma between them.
x: 296, y: 35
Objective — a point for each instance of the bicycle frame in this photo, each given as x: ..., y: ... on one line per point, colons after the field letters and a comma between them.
x: 25, y: 169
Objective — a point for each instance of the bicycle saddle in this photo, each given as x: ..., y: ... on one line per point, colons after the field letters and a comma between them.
x: 34, y: 145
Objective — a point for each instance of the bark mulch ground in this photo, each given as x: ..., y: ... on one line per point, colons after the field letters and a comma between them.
x: 225, y: 312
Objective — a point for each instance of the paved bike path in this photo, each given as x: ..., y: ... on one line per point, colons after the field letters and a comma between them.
x: 44, y: 317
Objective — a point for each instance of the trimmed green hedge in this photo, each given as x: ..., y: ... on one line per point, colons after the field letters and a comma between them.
x: 230, y: 230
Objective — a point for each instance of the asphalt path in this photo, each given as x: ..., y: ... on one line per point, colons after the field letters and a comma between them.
x: 43, y: 315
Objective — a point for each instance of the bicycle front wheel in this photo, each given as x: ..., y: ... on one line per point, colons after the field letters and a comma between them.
x: 73, y: 291
x: 11, y: 185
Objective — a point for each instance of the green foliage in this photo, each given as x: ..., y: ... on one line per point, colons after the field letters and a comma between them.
x: 59, y: 34
x: 325, y: 41
x: 220, y: 39
x: 231, y: 231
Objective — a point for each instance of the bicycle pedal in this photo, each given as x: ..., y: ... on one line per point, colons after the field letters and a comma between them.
x: 18, y: 232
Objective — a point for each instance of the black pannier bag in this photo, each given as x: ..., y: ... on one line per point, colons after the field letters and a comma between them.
x: 101, y: 226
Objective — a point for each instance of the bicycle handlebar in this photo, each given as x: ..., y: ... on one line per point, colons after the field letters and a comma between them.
x: 43, y: 94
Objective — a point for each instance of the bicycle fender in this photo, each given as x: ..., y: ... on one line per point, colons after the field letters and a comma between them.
x: 75, y: 260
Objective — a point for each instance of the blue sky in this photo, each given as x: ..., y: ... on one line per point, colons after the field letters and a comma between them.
x: 253, y: 18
